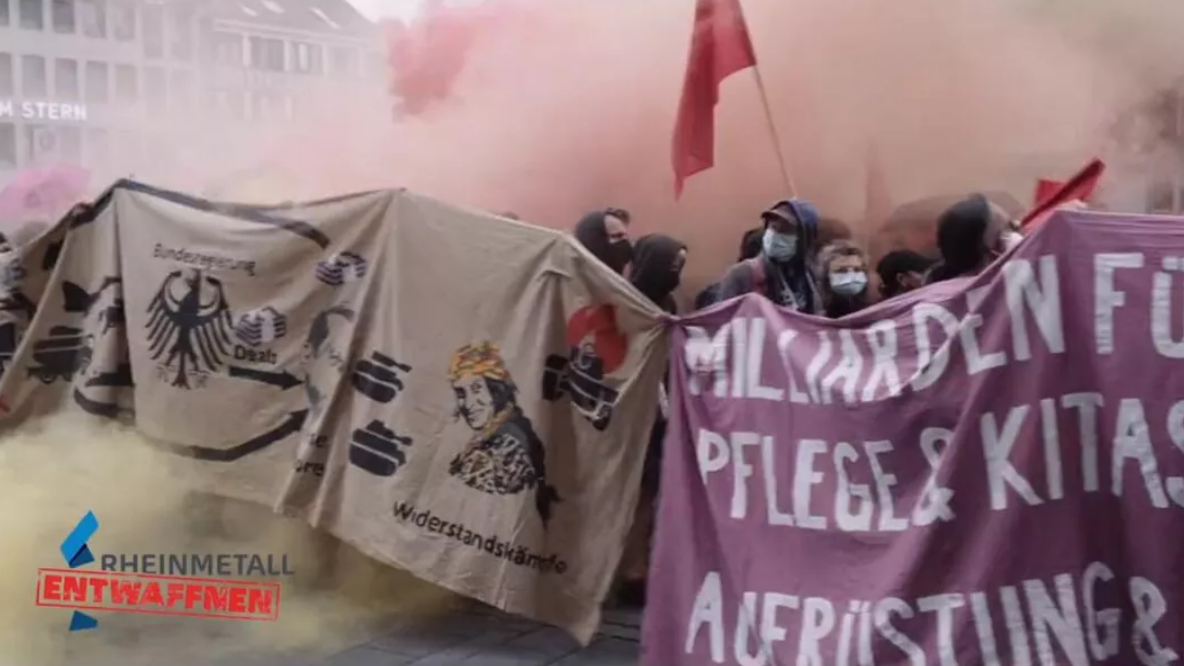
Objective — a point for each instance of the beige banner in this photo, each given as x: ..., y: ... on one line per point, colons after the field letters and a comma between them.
x: 455, y: 394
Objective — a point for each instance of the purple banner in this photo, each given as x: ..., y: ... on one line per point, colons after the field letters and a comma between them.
x: 987, y: 472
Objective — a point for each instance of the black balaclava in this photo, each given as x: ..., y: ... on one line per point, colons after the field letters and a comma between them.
x: 593, y: 235
x: 654, y: 273
x: 960, y: 238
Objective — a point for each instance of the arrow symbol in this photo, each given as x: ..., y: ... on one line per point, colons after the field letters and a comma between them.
x: 282, y: 379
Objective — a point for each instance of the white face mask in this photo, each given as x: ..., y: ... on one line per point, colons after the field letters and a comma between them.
x: 779, y: 247
x: 848, y: 284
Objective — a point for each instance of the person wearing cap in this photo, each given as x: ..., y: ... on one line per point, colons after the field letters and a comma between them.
x: 782, y: 270
x: 901, y: 271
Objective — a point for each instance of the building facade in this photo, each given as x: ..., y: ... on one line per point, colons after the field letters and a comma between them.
x: 123, y: 85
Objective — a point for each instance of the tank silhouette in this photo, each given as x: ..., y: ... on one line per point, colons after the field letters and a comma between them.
x: 65, y: 352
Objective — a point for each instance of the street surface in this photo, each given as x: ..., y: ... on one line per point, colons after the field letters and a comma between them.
x: 468, y: 635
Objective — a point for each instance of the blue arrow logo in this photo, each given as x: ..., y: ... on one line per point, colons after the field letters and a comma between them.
x: 77, y: 553
x: 74, y: 548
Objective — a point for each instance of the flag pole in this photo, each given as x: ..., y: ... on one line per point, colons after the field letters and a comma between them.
x: 786, y: 174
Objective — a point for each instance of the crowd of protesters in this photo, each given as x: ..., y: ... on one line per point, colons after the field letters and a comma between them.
x: 782, y: 260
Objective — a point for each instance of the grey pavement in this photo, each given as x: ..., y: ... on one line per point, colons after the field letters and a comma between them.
x: 485, y: 637
x: 466, y: 634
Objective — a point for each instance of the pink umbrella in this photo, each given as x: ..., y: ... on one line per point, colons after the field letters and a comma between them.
x: 42, y: 192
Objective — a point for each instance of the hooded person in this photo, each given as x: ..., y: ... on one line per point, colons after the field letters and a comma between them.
x: 656, y: 271
x: 842, y: 268
x: 970, y: 235
x: 783, y: 270
x: 657, y: 268
x: 605, y: 233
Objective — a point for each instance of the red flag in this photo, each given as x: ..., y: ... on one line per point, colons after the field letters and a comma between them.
x: 720, y: 47
x: 1079, y: 187
x: 1045, y: 188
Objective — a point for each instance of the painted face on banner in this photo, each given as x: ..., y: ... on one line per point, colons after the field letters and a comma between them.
x: 474, y: 402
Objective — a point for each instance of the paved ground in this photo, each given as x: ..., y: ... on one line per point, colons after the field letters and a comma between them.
x: 486, y: 638
x: 470, y: 635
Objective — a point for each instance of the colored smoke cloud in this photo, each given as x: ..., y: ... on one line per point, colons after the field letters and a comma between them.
x: 54, y: 471
x: 563, y: 105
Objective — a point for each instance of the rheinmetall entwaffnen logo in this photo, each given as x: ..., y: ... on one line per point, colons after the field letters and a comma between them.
x: 184, y: 584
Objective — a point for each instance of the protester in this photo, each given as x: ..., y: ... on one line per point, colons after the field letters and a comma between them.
x: 750, y: 247
x: 970, y: 235
x: 842, y: 267
x: 657, y: 269
x: 782, y: 271
x: 605, y: 233
x: 901, y: 271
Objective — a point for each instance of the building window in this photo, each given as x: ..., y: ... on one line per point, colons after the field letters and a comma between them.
x: 7, y: 144
x: 180, y: 90
x: 127, y: 84
x: 63, y: 16
x: 98, y: 87
x: 153, y: 18
x: 65, y: 79
x: 98, y: 147
x: 267, y: 54
x: 181, y: 22
x: 345, y: 61
x: 123, y: 20
x: 5, y: 17
x: 7, y: 77
x: 70, y: 142
x: 266, y: 106
x: 33, y: 76
x: 230, y: 104
x: 92, y: 17
x: 308, y: 58
x: 155, y: 88
x: 41, y: 144
x: 228, y: 49
x: 32, y: 14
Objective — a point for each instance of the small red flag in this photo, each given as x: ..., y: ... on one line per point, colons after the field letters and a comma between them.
x: 1079, y: 187
x: 1045, y: 188
x: 720, y: 47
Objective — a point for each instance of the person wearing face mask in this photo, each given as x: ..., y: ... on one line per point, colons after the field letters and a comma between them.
x: 782, y: 271
x: 605, y: 233
x: 843, y: 268
x: 656, y: 271
x: 970, y: 235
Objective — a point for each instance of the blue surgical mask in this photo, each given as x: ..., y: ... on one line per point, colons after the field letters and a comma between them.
x: 848, y: 284
x: 779, y: 247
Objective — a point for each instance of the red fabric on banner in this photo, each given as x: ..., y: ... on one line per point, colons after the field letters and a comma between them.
x: 720, y: 47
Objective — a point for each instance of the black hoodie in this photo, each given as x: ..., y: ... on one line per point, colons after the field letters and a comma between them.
x: 653, y: 271
x: 593, y: 235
